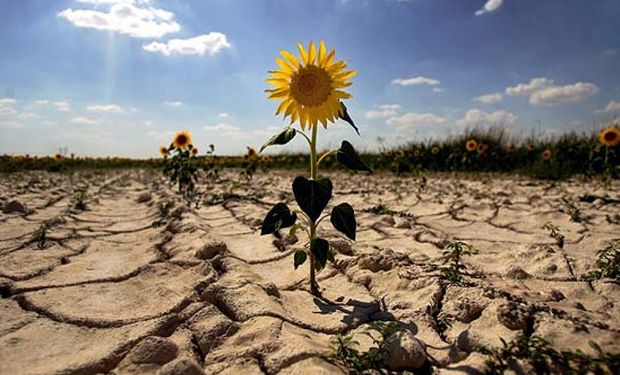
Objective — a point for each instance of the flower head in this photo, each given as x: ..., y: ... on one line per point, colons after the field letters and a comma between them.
x: 610, y: 137
x: 194, y: 151
x: 182, y: 140
x: 435, y: 150
x: 163, y: 150
x: 58, y: 157
x: 471, y: 145
x: 309, y: 88
x: 547, y: 154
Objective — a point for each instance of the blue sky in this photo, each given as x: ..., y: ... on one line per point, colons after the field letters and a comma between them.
x: 119, y: 77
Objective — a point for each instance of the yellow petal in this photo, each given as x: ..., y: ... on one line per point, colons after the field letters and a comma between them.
x: 279, y: 74
x: 277, y: 81
x: 322, y: 51
x: 302, y: 52
x: 282, y: 106
x: 284, y: 66
x: 291, y: 58
x: 311, y: 53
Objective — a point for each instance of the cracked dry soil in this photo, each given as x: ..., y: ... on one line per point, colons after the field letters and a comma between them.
x: 109, y: 293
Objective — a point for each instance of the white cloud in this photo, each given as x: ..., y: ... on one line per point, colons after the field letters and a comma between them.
x: 437, y: 90
x: 5, y: 101
x: 62, y: 106
x: 42, y: 102
x: 414, y: 81
x: 173, y: 103
x: 109, y: 2
x: 385, y: 110
x: 413, y: 120
x: 11, y: 125
x: 490, y: 6
x: 223, y: 115
x: 563, y: 94
x: 84, y: 121
x: 493, y: 98
x: 7, y: 111
x: 125, y: 18
x: 110, y: 108
x: 476, y: 117
x: 611, y: 107
x: 210, y: 43
x: 227, y: 130
x: 534, y: 85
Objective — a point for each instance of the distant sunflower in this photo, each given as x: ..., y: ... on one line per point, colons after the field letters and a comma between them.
x: 182, y: 139
x: 471, y: 145
x: 546, y: 155
x: 58, y: 157
x: 416, y: 153
x: 482, y: 148
x: 310, y: 88
x: 435, y: 150
x: 401, y: 153
x: 252, y: 154
x: 163, y: 151
x: 194, y: 151
x: 610, y: 137
x: 530, y: 146
x: 511, y: 148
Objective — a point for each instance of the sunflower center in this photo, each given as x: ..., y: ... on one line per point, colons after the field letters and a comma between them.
x: 181, y: 139
x: 610, y: 136
x: 311, y: 86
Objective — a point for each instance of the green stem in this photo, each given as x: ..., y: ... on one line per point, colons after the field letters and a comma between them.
x: 314, y: 287
x: 325, y: 155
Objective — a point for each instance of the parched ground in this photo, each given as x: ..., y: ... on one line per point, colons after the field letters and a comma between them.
x: 109, y: 293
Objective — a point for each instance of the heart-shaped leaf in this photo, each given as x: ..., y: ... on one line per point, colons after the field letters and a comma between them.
x: 343, y: 219
x: 344, y: 115
x: 320, y: 249
x: 300, y: 257
x: 280, y: 216
x: 348, y: 157
x: 282, y: 138
x: 312, y: 195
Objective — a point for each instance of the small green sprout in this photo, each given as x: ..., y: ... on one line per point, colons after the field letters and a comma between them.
x: 608, y: 263
x: 78, y: 202
x: 554, y: 232
x: 453, y: 268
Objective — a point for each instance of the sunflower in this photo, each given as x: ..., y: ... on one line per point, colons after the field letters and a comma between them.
x: 481, y: 148
x: 471, y: 145
x: 511, y: 148
x: 252, y: 155
x: 416, y: 153
x: 435, y: 150
x: 310, y: 88
x: 58, y: 157
x: 163, y: 150
x: 530, y: 146
x: 182, y: 139
x: 401, y: 153
x: 194, y: 151
x: 546, y: 155
x: 610, y: 137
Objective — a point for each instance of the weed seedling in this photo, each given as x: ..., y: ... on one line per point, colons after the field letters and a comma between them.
x: 573, y: 210
x: 163, y: 212
x: 452, y: 263
x: 78, y: 202
x: 554, y: 232
x: 608, y: 263
x: 40, y: 236
x: 345, y: 353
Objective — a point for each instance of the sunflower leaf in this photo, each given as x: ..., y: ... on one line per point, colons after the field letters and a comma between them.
x: 280, y: 216
x: 349, y: 158
x: 320, y: 249
x: 343, y: 219
x: 281, y: 138
x: 344, y: 115
x: 299, y: 258
x: 312, y: 195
